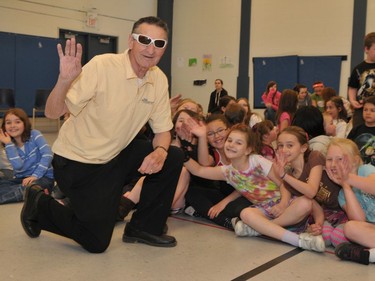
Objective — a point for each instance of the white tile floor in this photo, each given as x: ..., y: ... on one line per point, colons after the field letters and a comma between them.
x: 203, y: 252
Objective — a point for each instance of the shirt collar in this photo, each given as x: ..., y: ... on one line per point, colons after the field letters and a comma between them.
x: 130, y: 74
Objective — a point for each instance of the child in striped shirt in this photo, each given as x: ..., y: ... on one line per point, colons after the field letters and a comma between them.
x: 29, y: 154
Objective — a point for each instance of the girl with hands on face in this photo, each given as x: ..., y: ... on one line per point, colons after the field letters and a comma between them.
x: 344, y: 166
x: 190, y: 132
x: 29, y: 155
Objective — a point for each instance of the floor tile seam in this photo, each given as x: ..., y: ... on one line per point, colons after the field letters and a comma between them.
x: 268, y: 265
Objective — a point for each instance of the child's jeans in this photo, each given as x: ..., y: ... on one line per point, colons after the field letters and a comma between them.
x: 13, y: 190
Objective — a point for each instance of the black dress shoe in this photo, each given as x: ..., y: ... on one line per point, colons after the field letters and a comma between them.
x: 29, y: 213
x: 133, y: 235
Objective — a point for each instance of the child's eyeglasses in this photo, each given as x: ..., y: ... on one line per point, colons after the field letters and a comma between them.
x: 145, y: 41
x: 219, y: 132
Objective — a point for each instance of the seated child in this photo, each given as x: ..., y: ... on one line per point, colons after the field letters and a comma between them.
x: 357, y: 198
x: 267, y: 134
x: 29, y: 154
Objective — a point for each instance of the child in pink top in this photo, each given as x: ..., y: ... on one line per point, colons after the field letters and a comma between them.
x: 271, y: 99
x: 287, y: 108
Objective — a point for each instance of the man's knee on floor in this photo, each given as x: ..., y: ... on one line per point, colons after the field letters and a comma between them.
x: 97, y: 239
x: 96, y: 248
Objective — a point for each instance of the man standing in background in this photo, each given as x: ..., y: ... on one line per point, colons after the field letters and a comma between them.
x: 216, y: 95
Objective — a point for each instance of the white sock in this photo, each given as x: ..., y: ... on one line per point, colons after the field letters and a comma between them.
x: 291, y: 238
x: 372, y: 255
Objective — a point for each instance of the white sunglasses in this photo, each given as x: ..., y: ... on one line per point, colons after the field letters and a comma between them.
x: 145, y: 41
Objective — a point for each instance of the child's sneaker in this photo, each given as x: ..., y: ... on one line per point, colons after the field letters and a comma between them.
x: 352, y: 252
x: 242, y: 229
x: 234, y: 221
x: 191, y: 211
x: 176, y: 211
x: 308, y: 241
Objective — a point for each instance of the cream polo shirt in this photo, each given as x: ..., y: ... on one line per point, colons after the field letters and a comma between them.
x: 109, y: 105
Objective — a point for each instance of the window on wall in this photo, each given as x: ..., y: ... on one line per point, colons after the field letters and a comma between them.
x: 92, y: 44
x: 289, y: 70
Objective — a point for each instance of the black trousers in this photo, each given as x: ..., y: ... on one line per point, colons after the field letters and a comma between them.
x: 203, y: 198
x: 95, y: 190
x: 358, y: 117
x: 270, y: 114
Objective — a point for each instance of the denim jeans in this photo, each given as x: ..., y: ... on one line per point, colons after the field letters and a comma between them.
x: 13, y: 190
x: 270, y: 114
x: 6, y: 174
